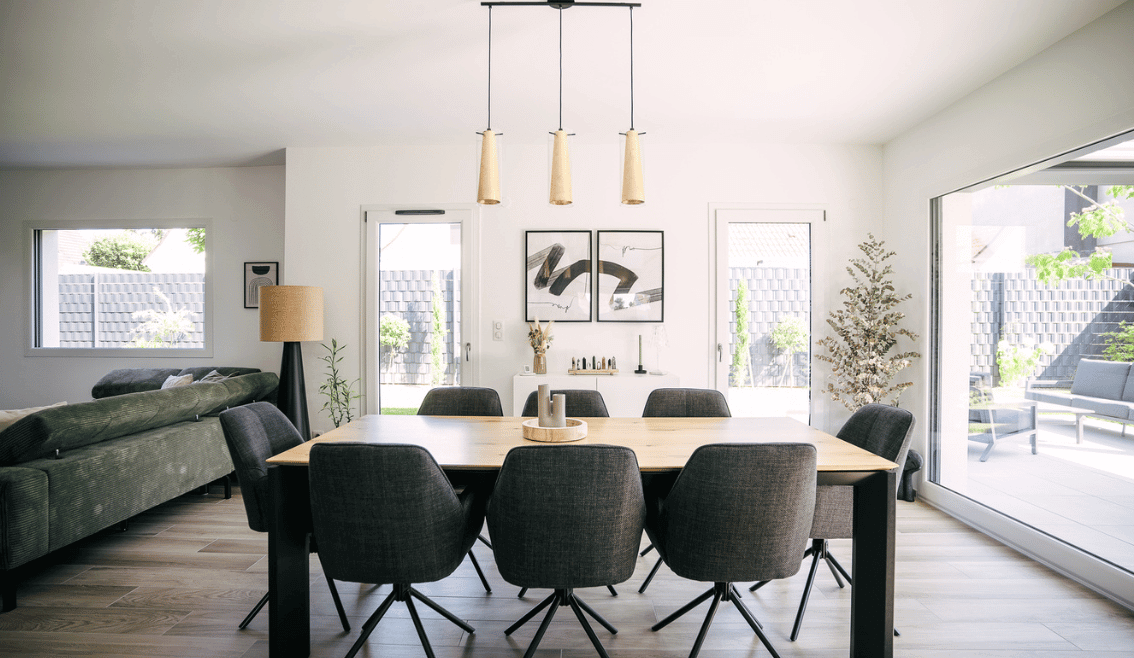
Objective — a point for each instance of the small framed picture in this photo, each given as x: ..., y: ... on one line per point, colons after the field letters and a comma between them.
x: 630, y: 284
x: 557, y: 276
x: 256, y: 276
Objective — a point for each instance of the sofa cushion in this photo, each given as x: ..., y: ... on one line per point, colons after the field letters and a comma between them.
x: 1100, y: 379
x: 130, y: 380
x: 10, y: 416
x: 1115, y: 408
x: 199, y: 372
x: 76, y: 425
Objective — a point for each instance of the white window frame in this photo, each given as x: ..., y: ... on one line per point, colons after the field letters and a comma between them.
x: 32, y: 293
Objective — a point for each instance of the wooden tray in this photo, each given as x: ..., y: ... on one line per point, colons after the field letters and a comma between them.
x: 576, y: 429
x: 593, y: 371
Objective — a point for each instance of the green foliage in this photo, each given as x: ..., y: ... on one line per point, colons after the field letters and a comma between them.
x: 1099, y: 220
x: 866, y: 330
x: 161, y: 328
x: 1120, y: 344
x: 196, y: 239
x: 338, y: 391
x: 123, y: 251
x: 437, y: 373
x: 741, y: 359
x: 393, y: 335
x: 789, y: 336
x: 1018, y: 361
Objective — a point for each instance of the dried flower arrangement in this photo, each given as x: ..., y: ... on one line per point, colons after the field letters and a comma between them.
x: 866, y: 330
x: 540, y: 338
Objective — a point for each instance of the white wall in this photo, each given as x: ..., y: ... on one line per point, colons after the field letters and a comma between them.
x: 246, y: 207
x: 327, y: 187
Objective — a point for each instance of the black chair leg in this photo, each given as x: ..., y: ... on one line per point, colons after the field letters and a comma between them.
x: 806, y: 593
x: 587, y: 625
x: 252, y: 615
x: 613, y: 592
x: 406, y: 593
x: 420, y: 629
x: 523, y: 591
x: 368, y: 627
x: 684, y: 609
x: 531, y: 613
x: 719, y: 592
x: 653, y: 572
x: 484, y: 541
x: 646, y: 550
x: 554, y: 601
x: 483, y: 580
x: 594, y: 615
x: 734, y: 596
x: 338, y: 603
x: 558, y: 598
x: 441, y: 611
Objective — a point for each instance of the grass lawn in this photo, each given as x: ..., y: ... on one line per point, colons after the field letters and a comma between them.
x: 399, y: 411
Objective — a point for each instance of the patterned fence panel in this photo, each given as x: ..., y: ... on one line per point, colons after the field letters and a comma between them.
x: 1072, y: 317
x: 106, y: 303
x: 774, y: 294
x: 408, y: 294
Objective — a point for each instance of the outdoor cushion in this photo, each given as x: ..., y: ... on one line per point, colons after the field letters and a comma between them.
x: 1128, y: 391
x: 1100, y: 379
x: 1052, y: 395
x: 1102, y: 406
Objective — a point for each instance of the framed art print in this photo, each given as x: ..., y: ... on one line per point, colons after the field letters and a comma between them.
x: 630, y: 284
x: 557, y: 276
x: 256, y: 276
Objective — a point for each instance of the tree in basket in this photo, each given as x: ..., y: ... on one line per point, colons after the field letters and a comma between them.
x: 866, y: 330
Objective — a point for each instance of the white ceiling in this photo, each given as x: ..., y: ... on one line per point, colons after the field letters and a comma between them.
x: 232, y: 82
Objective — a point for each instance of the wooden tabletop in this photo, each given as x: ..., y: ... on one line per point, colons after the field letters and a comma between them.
x: 480, y: 443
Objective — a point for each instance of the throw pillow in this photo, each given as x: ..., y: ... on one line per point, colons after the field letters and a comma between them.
x: 7, y: 417
x: 173, y: 381
x: 212, y: 377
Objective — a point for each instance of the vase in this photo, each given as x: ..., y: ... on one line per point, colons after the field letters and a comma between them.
x: 539, y: 366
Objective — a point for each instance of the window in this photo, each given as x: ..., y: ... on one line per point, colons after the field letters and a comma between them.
x: 135, y: 288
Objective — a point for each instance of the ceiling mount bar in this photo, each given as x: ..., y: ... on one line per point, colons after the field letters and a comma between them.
x: 560, y: 4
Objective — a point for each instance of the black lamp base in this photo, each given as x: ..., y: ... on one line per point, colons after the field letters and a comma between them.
x: 291, y: 397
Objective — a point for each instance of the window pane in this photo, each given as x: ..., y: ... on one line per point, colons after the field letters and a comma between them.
x: 120, y: 288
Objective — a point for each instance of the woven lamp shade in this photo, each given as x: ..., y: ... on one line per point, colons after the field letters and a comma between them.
x: 560, y: 171
x: 633, y: 189
x: 291, y: 313
x: 488, y: 192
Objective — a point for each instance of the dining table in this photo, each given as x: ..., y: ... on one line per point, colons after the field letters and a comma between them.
x: 468, y: 443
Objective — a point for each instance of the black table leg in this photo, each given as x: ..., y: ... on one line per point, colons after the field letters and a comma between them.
x: 289, y: 610
x: 872, y: 597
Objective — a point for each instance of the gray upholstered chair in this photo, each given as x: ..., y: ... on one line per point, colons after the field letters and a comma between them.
x: 255, y: 432
x: 737, y: 512
x: 461, y: 401
x: 464, y: 401
x: 678, y: 403
x: 686, y: 403
x: 565, y: 517
x: 884, y: 431
x: 581, y: 403
x: 387, y: 514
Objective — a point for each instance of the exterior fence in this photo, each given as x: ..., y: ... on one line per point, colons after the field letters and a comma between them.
x: 1072, y: 317
x: 774, y: 294
x: 97, y: 309
x: 408, y: 294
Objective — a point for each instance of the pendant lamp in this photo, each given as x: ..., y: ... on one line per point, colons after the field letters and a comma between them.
x: 560, y: 157
x: 633, y: 189
x: 488, y: 189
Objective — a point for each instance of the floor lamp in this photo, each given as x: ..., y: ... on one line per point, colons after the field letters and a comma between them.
x: 289, y: 315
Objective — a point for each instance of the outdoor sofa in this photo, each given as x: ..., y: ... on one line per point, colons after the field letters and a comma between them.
x: 1103, y: 389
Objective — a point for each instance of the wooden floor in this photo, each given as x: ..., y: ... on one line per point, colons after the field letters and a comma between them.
x: 182, y: 576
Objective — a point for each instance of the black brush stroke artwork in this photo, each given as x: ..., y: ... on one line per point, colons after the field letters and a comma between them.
x: 555, y: 281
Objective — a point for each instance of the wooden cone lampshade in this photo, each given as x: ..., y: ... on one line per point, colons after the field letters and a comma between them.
x: 633, y: 189
x: 488, y: 192
x: 560, y: 171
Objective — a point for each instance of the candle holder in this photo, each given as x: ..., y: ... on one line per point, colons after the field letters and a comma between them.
x: 640, y: 370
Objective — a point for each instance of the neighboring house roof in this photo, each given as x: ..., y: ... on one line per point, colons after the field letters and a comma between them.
x: 754, y: 244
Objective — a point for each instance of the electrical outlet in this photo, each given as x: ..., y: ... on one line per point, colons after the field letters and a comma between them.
x: 498, y: 330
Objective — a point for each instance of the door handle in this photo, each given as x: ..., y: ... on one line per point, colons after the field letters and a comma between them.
x: 468, y: 348
x: 720, y: 353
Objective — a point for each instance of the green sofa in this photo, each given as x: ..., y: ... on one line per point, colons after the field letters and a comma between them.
x: 69, y: 471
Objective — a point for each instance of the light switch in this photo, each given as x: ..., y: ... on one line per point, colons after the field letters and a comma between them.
x: 498, y: 330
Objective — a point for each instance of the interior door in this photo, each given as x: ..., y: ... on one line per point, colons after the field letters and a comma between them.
x: 420, y: 298
x: 764, y: 261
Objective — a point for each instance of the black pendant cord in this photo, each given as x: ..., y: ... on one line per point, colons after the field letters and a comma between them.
x: 490, y: 68
x: 561, y: 69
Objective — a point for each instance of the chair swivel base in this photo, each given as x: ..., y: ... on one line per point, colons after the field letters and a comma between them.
x: 524, y: 591
x: 562, y: 597
x: 819, y: 550
x: 719, y: 592
x: 407, y: 593
x: 334, y: 595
